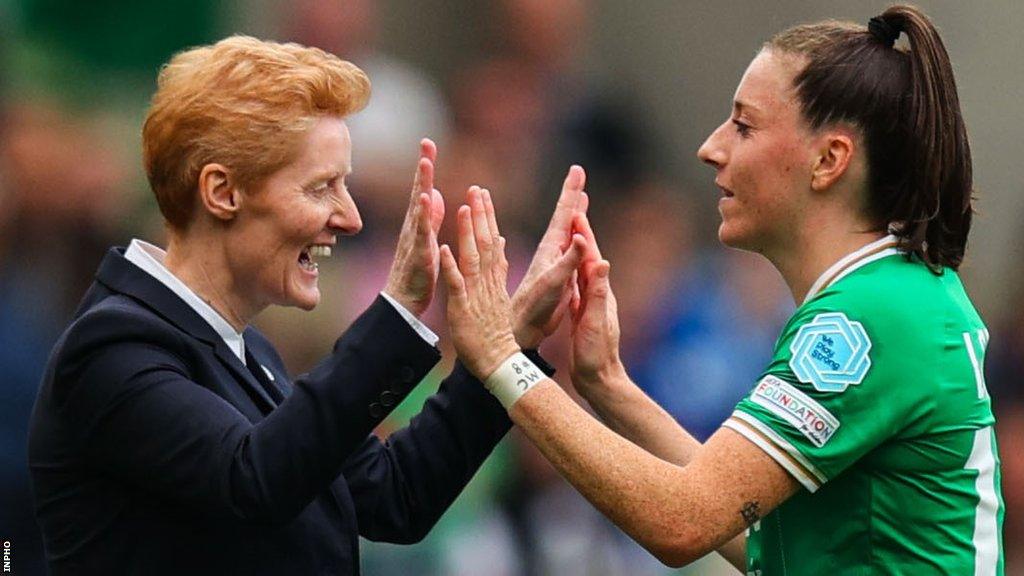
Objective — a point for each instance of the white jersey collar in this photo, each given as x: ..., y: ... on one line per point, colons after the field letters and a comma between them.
x: 864, y: 255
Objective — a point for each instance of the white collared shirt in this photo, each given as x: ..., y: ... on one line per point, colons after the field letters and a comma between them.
x: 150, y: 258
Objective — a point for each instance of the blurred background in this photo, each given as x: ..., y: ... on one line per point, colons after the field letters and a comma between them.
x: 513, y: 91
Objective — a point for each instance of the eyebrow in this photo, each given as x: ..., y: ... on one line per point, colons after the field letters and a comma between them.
x: 327, y: 176
x: 740, y: 106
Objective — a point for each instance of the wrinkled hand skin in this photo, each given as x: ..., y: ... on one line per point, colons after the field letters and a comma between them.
x: 479, y: 307
x: 413, y: 275
x: 594, y: 312
x: 543, y: 297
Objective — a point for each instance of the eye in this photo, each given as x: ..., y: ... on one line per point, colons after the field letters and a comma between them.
x: 742, y: 129
x: 323, y: 188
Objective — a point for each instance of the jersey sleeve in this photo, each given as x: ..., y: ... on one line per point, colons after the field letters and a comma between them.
x: 829, y: 395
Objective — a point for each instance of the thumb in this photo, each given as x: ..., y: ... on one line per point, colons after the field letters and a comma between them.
x: 452, y: 277
x: 436, y: 210
x: 598, y: 289
x: 575, y: 303
x: 570, y: 260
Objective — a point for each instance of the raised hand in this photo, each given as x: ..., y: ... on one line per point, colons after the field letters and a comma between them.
x: 479, y: 308
x: 595, y: 319
x: 540, y: 301
x: 413, y: 274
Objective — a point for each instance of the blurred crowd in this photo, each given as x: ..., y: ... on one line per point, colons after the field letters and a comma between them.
x: 698, y: 321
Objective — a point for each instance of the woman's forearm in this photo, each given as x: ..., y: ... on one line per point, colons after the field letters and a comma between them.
x: 627, y: 410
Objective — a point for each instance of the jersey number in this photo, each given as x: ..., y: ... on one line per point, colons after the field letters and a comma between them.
x: 982, y: 460
x: 977, y: 358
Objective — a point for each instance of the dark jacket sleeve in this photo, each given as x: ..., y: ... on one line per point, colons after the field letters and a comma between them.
x: 123, y: 383
x: 403, y: 485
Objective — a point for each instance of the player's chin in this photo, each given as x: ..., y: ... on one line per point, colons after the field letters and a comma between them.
x: 740, y: 238
x: 731, y: 235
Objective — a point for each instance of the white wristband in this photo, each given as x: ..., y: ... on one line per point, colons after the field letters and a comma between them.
x: 513, y: 378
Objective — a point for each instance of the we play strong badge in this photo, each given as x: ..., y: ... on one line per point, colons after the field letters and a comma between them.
x: 830, y: 352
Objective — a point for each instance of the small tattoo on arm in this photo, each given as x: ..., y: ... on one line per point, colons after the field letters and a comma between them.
x: 751, y: 512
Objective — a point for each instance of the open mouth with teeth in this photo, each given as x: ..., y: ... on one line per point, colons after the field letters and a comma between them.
x: 306, y: 257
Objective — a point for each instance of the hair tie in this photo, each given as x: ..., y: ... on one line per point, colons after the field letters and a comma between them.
x: 884, y: 31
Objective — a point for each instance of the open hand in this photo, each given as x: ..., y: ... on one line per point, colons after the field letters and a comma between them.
x: 595, y: 319
x: 413, y: 274
x: 479, y: 309
x: 540, y: 302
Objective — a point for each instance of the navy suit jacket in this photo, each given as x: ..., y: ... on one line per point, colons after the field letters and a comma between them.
x: 154, y: 450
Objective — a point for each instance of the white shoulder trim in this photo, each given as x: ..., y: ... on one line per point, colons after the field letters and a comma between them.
x: 778, y: 448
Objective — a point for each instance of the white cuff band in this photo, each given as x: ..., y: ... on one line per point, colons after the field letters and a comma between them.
x: 420, y: 328
x: 513, y: 378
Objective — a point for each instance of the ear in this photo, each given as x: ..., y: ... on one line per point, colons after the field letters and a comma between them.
x: 834, y: 159
x: 218, y: 192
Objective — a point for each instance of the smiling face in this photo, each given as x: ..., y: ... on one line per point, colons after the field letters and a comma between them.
x: 764, y: 157
x: 284, y: 224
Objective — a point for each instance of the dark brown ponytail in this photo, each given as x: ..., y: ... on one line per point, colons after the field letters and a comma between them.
x: 905, y: 103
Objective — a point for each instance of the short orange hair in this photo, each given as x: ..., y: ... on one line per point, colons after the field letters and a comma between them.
x: 243, y: 103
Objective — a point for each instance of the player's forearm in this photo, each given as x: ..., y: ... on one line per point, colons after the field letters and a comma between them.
x: 626, y: 409
x: 642, y: 494
x: 735, y: 552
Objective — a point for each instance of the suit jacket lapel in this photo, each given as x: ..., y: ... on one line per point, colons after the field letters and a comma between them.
x: 120, y: 275
x: 255, y: 390
x: 259, y: 370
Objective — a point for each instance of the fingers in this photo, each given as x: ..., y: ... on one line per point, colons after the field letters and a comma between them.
x: 594, y: 291
x: 436, y: 210
x: 485, y: 243
x: 565, y: 300
x: 599, y: 286
x: 452, y: 277
x: 570, y: 260
x: 423, y: 183
x: 424, y: 179
x: 492, y: 218
x: 501, y: 253
x: 428, y: 149
x: 568, y: 202
x: 581, y: 225
x: 469, y: 257
x: 575, y: 302
x: 424, y: 226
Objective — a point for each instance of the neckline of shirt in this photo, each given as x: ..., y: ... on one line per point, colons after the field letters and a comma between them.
x: 150, y: 259
x: 866, y: 254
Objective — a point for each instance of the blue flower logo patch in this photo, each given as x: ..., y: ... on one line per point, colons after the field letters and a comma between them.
x: 830, y: 352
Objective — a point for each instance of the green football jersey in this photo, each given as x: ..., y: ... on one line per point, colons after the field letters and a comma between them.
x: 875, y: 401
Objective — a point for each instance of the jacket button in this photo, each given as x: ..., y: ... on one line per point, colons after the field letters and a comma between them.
x: 401, y: 380
x: 388, y: 398
x: 406, y: 374
x: 376, y: 410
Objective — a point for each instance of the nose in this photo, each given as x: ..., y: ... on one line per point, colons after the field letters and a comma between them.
x: 344, y: 218
x: 712, y: 152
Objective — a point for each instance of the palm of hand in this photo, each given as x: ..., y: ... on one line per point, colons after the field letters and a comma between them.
x: 413, y: 275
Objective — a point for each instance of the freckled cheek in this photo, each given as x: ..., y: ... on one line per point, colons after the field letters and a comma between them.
x: 791, y: 158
